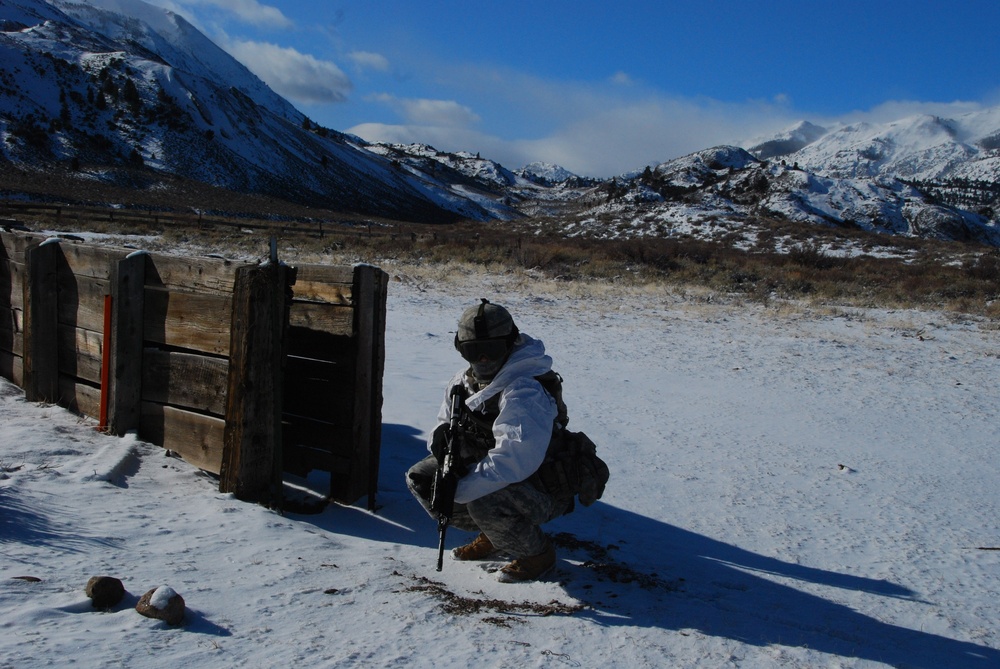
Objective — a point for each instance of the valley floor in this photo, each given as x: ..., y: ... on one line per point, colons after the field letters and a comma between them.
x: 792, y: 486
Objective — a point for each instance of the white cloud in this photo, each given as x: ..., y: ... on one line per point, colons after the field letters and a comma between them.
x: 599, y: 134
x: 247, y: 11
x: 598, y: 128
x: 369, y: 61
x: 621, y: 78
x: 893, y: 110
x: 430, y: 113
x: 596, y: 134
x: 292, y: 74
x: 627, y: 136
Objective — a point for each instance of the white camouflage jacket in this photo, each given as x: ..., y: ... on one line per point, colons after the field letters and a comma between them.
x: 523, y: 429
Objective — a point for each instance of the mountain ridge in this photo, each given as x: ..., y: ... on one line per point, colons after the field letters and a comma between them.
x: 105, y: 102
x: 120, y: 91
x: 921, y: 147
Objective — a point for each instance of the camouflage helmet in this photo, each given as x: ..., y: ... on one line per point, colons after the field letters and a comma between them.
x: 485, y: 337
x: 485, y: 321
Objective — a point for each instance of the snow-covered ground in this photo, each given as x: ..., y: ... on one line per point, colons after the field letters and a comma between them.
x: 791, y: 487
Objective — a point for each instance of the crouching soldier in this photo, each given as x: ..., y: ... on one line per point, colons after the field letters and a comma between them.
x: 508, y: 421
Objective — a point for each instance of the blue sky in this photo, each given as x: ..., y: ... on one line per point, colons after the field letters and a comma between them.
x: 605, y: 87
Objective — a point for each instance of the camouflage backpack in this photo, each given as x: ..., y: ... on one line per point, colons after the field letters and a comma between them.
x: 571, y: 465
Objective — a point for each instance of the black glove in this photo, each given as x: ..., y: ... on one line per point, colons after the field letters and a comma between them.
x: 439, y: 442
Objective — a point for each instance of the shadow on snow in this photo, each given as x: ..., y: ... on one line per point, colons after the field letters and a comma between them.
x: 709, y: 586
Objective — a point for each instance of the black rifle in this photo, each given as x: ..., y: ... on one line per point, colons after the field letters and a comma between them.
x: 446, y: 477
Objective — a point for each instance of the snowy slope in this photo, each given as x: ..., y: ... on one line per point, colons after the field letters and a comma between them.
x: 729, y: 188
x: 546, y: 173
x: 917, y: 147
x: 177, y: 42
x: 65, y: 69
x: 790, y: 488
x: 129, y: 86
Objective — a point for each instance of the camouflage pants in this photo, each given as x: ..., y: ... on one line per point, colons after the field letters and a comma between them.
x: 510, y: 517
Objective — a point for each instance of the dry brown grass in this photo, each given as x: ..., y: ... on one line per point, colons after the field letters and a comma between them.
x: 970, y: 283
x: 923, y: 275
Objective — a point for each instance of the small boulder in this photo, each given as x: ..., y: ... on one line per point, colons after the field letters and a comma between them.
x: 105, y: 591
x: 163, y: 604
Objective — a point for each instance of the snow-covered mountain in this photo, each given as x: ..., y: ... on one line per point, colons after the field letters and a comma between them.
x: 108, y: 89
x: 730, y: 188
x: 789, y: 141
x: 546, y: 173
x: 124, y: 92
x: 921, y: 148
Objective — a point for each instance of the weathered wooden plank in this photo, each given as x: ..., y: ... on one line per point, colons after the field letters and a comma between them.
x: 333, y: 410
x: 314, y: 291
x: 213, y: 275
x: 324, y: 283
x: 252, y: 453
x: 81, y: 301
x: 11, y: 302
x: 377, y: 373
x: 300, y: 460
x: 12, y: 284
x: 41, y: 346
x: 11, y: 337
x: 319, y: 389
x: 124, y: 395
x: 79, y: 397
x: 7, y: 242
x: 195, y: 321
x: 328, y: 318
x: 311, y: 443
x: 12, y: 367
x: 369, y: 332
x: 15, y: 244
x: 317, y: 433
x: 185, y: 379
x: 326, y: 274
x: 10, y: 275
x: 94, y: 262
x: 317, y: 345
x: 80, y: 353
x: 195, y: 437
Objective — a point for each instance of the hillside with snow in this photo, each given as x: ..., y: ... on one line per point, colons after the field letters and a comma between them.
x: 121, y: 92
x: 132, y: 93
x: 924, y: 148
x: 725, y: 191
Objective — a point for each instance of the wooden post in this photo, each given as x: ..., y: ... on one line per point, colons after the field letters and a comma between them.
x: 369, y: 293
x: 251, y: 458
x: 125, y: 391
x: 41, y: 322
x: 106, y: 364
x: 380, y: 287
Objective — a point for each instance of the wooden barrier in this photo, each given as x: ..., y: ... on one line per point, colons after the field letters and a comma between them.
x: 220, y: 362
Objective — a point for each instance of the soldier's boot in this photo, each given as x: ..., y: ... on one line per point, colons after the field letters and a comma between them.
x: 479, y: 549
x: 528, y: 568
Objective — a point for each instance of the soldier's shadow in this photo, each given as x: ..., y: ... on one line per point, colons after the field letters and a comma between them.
x: 638, y: 571
x: 663, y: 576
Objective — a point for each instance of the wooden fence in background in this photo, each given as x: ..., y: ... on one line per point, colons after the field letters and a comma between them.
x: 63, y: 216
x: 244, y: 370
